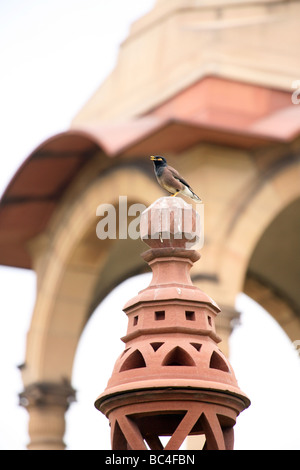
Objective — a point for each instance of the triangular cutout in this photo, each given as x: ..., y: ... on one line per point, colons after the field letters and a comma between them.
x: 178, y: 357
x: 196, y: 346
x: 156, y: 346
x: 153, y: 442
x: 134, y: 361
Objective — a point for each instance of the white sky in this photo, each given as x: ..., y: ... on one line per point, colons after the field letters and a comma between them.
x: 53, y: 56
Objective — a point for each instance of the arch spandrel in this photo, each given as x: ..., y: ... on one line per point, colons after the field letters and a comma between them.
x: 75, y: 257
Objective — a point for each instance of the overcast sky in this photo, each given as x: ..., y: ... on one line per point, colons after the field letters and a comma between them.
x: 53, y: 56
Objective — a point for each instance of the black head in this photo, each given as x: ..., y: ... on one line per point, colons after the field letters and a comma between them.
x: 159, y: 161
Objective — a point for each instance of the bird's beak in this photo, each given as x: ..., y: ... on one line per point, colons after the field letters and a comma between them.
x: 152, y: 158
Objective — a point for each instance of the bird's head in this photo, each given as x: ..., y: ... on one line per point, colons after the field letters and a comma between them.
x: 158, y: 160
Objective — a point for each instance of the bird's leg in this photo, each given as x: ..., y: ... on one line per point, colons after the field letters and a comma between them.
x: 175, y: 194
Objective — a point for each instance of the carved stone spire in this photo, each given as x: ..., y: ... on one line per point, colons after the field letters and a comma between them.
x: 172, y: 379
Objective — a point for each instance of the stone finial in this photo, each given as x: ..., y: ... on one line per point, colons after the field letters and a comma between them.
x: 171, y: 379
x: 170, y: 221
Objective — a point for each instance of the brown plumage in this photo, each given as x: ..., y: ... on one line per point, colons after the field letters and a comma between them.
x: 171, y: 180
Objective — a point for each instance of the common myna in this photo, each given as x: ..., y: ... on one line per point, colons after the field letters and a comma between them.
x: 170, y: 179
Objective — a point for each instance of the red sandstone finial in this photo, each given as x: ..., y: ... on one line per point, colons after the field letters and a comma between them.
x: 172, y: 379
x: 170, y: 221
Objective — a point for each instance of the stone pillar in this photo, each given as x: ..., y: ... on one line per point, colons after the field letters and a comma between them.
x: 46, y: 404
x: 171, y: 379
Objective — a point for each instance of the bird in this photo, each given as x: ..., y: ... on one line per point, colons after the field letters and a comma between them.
x: 171, y: 180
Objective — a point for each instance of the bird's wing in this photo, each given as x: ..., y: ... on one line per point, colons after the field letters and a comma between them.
x: 169, y: 181
x: 178, y: 176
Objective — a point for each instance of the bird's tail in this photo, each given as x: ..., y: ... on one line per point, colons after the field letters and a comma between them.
x: 188, y: 192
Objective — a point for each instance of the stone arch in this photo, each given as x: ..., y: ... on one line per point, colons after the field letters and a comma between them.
x: 75, y: 261
x: 253, y: 241
x: 252, y: 217
x: 75, y: 270
x: 275, y: 304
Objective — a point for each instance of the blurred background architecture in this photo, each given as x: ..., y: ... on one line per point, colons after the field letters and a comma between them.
x: 208, y: 85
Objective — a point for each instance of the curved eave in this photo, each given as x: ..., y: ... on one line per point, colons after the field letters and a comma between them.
x: 33, y: 193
